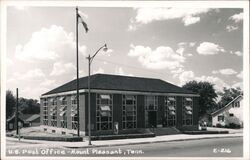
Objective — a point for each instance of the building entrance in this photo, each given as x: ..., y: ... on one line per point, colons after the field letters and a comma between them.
x: 151, y: 119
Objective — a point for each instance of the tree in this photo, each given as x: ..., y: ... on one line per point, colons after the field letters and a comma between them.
x: 10, y: 103
x: 207, y: 95
x: 228, y: 95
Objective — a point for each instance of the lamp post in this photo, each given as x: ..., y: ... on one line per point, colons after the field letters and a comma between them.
x: 77, y: 76
x: 90, y: 59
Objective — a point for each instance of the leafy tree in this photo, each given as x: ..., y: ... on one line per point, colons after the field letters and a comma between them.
x: 207, y: 95
x: 30, y: 106
x: 10, y: 103
x: 228, y: 95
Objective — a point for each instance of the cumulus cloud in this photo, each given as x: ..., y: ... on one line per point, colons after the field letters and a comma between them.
x: 237, y: 17
x: 226, y: 71
x: 209, y: 48
x: 187, y: 76
x: 240, y: 75
x: 231, y: 28
x: 60, y: 68
x: 47, y: 44
x: 160, y: 58
x: 188, y: 16
x: 219, y: 84
x: 182, y: 46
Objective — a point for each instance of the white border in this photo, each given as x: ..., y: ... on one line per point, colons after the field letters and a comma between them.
x: 177, y: 4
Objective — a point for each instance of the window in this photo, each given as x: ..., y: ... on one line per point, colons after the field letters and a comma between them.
x: 236, y: 104
x: 129, y: 112
x: 221, y: 118
x: 63, y: 112
x: 63, y: 100
x: 53, y: 112
x: 73, y: 100
x: 187, y: 111
x: 231, y: 114
x: 104, y: 118
x: 45, y: 111
x: 170, y: 111
x: 151, y: 103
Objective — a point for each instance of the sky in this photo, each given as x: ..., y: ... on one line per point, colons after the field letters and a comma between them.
x: 176, y: 45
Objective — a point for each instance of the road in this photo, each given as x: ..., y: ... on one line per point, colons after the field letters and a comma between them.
x: 217, y: 147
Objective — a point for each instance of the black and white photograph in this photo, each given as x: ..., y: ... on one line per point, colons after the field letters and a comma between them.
x: 124, y: 79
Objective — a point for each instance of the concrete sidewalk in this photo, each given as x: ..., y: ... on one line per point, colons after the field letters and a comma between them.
x: 121, y: 142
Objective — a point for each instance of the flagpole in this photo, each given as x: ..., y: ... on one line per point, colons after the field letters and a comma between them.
x: 77, y: 76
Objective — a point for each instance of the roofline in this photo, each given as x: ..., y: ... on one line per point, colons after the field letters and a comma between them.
x: 214, y: 113
x: 119, y: 92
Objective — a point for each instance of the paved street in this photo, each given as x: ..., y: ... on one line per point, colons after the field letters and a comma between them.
x: 217, y: 147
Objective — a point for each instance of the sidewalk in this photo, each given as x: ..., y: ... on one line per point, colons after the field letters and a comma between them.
x: 106, y: 143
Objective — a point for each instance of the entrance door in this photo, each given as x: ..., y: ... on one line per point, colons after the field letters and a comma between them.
x: 152, y: 119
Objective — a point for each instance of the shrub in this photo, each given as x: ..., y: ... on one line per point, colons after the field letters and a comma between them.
x: 233, y: 125
x: 219, y: 125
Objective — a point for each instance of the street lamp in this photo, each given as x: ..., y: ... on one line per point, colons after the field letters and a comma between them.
x: 90, y: 59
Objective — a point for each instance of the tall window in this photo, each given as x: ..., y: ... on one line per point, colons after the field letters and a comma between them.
x: 187, y: 111
x: 151, y: 105
x: 45, y: 111
x: 53, y: 112
x: 128, y: 111
x: 73, y: 114
x: 170, y: 111
x: 104, y: 118
x: 63, y: 111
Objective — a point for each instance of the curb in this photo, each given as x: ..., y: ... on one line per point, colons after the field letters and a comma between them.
x: 160, y: 141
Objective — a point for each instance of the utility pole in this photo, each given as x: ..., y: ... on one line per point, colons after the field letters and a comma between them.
x: 77, y: 76
x: 16, y: 119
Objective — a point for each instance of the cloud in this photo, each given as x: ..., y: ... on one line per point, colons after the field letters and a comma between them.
x: 60, y: 68
x: 219, y: 84
x: 231, y: 28
x: 188, y: 16
x: 100, y: 70
x: 238, y: 85
x: 227, y: 71
x: 240, y: 75
x: 186, y: 76
x: 188, y: 20
x: 208, y: 48
x: 237, y: 17
x: 161, y: 58
x: 48, y: 44
x: 237, y: 53
x: 120, y: 71
x: 48, y: 82
x: 182, y: 46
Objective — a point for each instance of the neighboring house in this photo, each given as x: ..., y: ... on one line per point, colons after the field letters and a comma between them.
x: 232, y: 113
x: 34, y: 120
x: 10, y: 123
x: 132, y: 103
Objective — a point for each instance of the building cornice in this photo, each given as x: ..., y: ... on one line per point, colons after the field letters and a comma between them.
x: 120, y: 92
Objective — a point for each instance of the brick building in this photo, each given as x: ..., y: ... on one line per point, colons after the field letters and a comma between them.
x: 132, y: 103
